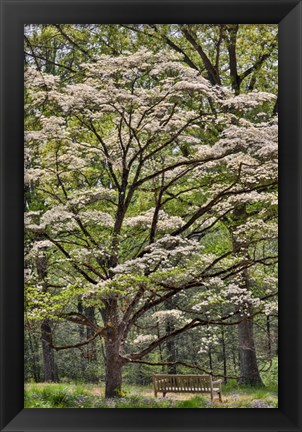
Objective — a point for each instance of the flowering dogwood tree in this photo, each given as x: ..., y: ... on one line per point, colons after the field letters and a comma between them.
x: 135, y: 168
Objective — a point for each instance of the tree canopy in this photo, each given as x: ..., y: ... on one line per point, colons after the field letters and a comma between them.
x: 150, y: 186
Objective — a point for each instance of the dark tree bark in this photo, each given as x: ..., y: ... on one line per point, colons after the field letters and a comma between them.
x: 114, y: 364
x: 50, y: 372
x: 224, y: 359
x: 234, y: 356
x: 249, y: 372
x: 113, y: 341
x: 170, y: 345
x: 90, y: 314
x: 82, y: 338
x: 171, y: 349
x: 231, y: 45
x: 269, y: 338
x: 210, y: 360
x: 160, y: 348
x: 90, y: 353
x: 34, y: 364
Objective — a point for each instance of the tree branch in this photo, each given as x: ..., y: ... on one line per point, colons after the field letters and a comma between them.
x: 186, y: 364
x: 100, y: 332
x: 212, y: 72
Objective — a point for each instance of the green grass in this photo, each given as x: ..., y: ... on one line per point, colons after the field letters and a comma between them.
x: 57, y: 396
x: 91, y: 396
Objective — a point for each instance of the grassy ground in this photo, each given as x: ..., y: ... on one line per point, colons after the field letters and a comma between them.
x: 91, y: 396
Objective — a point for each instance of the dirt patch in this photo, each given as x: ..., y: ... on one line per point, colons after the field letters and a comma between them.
x: 98, y: 391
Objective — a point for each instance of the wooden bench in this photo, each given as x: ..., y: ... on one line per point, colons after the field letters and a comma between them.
x: 186, y: 384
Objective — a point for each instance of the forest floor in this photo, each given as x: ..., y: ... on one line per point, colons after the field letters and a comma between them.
x: 47, y: 395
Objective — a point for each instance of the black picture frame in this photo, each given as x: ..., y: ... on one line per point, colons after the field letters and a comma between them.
x: 16, y: 13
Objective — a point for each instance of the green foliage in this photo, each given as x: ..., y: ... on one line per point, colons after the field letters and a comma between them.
x: 270, y: 377
x: 56, y: 396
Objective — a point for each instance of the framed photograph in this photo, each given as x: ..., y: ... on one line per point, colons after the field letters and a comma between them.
x: 150, y: 215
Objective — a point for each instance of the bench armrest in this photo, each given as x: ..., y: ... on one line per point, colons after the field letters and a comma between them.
x: 217, y: 382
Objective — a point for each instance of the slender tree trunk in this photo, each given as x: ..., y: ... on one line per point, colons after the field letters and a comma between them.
x: 171, y: 348
x: 89, y: 312
x: 82, y: 338
x: 160, y: 349
x: 50, y: 374
x: 50, y: 371
x: 89, y: 354
x: 224, y: 355
x: 269, y: 339
x: 249, y: 372
x: 234, y: 354
x: 210, y: 360
x: 232, y: 43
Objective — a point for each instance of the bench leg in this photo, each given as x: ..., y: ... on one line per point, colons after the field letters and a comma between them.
x: 220, y: 393
x: 164, y: 394
x: 155, y: 393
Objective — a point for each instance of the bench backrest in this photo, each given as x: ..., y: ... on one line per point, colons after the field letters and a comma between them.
x: 182, y: 382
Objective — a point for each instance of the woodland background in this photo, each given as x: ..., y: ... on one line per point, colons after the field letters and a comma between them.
x: 150, y: 212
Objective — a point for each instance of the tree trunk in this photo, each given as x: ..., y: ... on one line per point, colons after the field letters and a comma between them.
x: 171, y: 352
x: 50, y: 374
x: 160, y: 349
x: 34, y: 364
x: 92, y: 352
x: 269, y: 340
x: 224, y: 359
x: 210, y: 360
x: 113, y: 380
x: 113, y: 343
x: 82, y: 338
x: 171, y: 348
x: 249, y: 372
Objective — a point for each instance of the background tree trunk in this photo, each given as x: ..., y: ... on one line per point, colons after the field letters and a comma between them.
x: 269, y: 340
x: 249, y: 372
x: 50, y: 373
x: 210, y: 360
x: 34, y: 354
x: 224, y: 358
x: 171, y: 357
x: 46, y: 331
x: 160, y: 350
x: 171, y: 345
